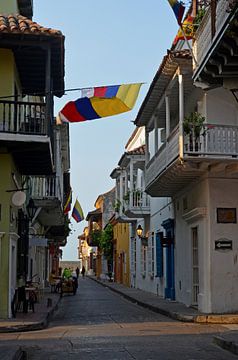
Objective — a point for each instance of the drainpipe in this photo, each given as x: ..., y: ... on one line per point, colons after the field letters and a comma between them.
x: 120, y: 192
x: 167, y: 106
x: 147, y: 154
x: 48, y: 90
x: 131, y: 182
x: 156, y: 135
x: 181, y: 114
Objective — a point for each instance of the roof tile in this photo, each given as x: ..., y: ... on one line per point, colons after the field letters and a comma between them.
x: 21, y: 24
x: 138, y: 151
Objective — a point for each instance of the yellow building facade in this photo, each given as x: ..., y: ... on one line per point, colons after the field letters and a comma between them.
x: 121, y: 253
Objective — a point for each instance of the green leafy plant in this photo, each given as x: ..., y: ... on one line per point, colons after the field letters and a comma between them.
x: 193, y: 125
x: 117, y: 205
x: 96, y: 237
x: 126, y: 197
x: 67, y: 229
x: 106, y: 243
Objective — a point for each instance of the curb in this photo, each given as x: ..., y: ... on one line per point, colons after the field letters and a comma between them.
x: 31, y: 327
x: 226, y: 344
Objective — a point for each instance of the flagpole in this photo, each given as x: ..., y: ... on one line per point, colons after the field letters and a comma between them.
x: 189, y: 46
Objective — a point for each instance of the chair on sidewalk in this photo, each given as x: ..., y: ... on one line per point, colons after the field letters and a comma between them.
x: 22, y: 303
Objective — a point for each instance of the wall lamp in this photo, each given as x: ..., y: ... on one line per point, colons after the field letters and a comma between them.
x: 31, y: 209
x: 139, y: 232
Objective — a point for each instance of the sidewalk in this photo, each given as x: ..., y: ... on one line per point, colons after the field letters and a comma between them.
x: 33, y: 321
x: 178, y: 311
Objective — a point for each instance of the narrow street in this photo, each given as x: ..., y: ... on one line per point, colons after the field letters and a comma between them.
x: 99, y: 324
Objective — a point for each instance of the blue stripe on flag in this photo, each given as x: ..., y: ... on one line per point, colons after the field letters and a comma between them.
x: 84, y: 107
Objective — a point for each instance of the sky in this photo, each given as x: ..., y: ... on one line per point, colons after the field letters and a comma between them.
x: 106, y: 43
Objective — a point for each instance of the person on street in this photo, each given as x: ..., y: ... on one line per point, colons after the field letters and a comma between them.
x: 77, y: 272
x: 83, y: 271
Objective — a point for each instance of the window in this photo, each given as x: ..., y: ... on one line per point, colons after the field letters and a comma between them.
x: 143, y: 259
x: 133, y: 255
x: 151, y: 255
x: 159, y: 256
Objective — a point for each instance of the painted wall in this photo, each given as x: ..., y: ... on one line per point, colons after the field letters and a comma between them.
x: 121, y: 235
x: 219, y: 107
x: 8, y: 226
x: 161, y: 210
x: 7, y: 72
x: 223, y: 193
x: 218, y: 269
x: 184, y: 203
x: 8, y: 7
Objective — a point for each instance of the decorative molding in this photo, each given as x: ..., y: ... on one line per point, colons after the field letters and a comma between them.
x: 195, y: 214
x: 14, y: 236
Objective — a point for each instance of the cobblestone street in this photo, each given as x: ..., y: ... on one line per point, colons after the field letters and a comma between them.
x: 99, y: 324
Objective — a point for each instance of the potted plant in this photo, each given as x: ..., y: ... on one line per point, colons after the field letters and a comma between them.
x: 193, y: 127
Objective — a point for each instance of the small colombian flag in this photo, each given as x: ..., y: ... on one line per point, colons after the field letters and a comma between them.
x: 67, y: 205
x: 77, y: 212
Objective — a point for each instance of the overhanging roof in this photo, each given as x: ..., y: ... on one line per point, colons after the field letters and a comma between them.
x: 29, y: 42
x: 167, y: 69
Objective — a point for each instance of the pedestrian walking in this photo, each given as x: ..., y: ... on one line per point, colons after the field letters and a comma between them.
x: 77, y: 272
x: 83, y: 271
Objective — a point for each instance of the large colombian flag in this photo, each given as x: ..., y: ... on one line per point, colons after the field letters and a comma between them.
x: 99, y: 102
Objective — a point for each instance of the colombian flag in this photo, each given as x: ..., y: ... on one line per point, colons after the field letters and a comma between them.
x: 67, y: 205
x: 77, y: 212
x: 178, y: 9
x: 99, y: 102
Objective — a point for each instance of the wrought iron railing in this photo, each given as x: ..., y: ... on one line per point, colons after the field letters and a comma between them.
x: 23, y: 117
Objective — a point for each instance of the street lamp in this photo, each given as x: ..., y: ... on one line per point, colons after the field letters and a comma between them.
x: 139, y: 231
x: 144, y: 239
x: 31, y: 209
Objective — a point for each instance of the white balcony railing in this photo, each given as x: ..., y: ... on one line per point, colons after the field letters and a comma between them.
x: 203, y: 38
x: 217, y: 140
x: 46, y: 187
x: 163, y: 157
x: 139, y: 199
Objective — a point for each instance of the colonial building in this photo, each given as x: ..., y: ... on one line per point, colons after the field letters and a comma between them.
x: 190, y: 115
x: 34, y: 153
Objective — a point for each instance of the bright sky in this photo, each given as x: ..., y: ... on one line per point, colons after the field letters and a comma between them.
x: 106, y: 43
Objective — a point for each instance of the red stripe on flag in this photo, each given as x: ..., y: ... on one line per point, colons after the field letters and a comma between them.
x: 71, y: 113
x: 100, y: 91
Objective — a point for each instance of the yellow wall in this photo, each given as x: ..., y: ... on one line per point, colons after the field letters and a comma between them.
x: 6, y: 226
x: 8, y: 7
x: 7, y: 73
x: 121, y: 235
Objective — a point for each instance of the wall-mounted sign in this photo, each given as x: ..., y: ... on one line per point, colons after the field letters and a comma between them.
x: 38, y: 241
x: 226, y: 215
x: 223, y: 244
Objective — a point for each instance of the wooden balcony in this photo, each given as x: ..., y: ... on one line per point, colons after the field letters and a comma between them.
x: 215, y: 45
x: 137, y: 205
x: 216, y: 150
x: 20, y: 117
x: 47, y: 195
x: 25, y: 132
